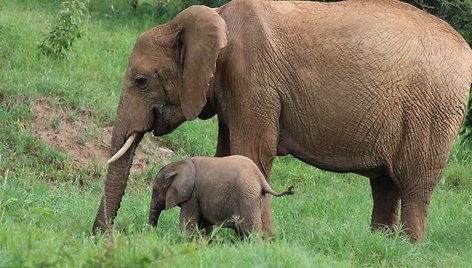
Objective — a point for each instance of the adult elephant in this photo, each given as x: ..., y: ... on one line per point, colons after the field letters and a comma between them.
x: 377, y: 88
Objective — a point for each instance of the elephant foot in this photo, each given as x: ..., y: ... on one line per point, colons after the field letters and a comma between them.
x: 267, y: 216
x: 413, y: 218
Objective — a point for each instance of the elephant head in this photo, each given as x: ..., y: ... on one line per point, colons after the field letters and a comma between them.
x: 173, y: 185
x: 165, y: 84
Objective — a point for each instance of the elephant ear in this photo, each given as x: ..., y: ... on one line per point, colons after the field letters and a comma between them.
x: 182, y: 184
x: 203, y: 35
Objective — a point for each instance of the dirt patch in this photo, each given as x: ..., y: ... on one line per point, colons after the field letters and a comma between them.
x: 74, y: 132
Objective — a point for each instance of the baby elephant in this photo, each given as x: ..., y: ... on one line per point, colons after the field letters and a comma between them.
x: 212, y: 190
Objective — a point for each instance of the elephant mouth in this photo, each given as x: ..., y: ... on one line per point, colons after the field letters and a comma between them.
x: 159, y: 127
x: 160, y: 131
x: 167, y: 119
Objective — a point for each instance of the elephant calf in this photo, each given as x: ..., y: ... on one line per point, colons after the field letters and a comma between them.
x: 212, y: 190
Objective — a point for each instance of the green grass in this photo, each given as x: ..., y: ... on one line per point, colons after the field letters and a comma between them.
x: 48, y: 204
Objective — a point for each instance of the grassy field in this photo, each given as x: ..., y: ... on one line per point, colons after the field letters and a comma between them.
x: 48, y: 203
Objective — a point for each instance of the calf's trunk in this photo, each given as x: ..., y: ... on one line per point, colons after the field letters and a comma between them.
x: 155, y: 211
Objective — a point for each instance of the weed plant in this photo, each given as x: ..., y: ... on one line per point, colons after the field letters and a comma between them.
x: 68, y: 26
x: 466, y: 131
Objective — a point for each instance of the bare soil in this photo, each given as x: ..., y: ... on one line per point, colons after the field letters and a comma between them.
x: 73, y: 131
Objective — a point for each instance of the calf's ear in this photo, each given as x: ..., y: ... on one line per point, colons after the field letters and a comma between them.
x: 182, y: 184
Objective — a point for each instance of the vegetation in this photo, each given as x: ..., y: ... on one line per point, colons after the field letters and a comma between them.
x: 466, y: 132
x: 48, y: 203
x: 67, y: 28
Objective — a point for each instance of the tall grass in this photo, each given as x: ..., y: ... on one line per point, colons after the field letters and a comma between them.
x: 47, y: 204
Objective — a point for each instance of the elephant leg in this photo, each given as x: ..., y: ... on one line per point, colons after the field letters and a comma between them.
x: 190, y: 217
x: 264, y: 162
x: 251, y: 221
x: 417, y: 171
x: 417, y: 174
x: 414, y: 208
x: 265, y: 166
x: 248, y: 226
x: 267, y: 216
x: 386, y: 195
x: 254, y: 132
x: 205, y: 226
x: 223, y: 147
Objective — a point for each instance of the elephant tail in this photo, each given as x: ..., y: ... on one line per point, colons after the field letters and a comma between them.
x: 269, y: 190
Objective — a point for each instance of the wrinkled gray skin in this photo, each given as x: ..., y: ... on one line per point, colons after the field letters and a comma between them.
x: 377, y: 88
x: 212, y: 191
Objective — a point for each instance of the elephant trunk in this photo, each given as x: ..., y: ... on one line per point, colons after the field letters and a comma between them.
x: 155, y: 211
x: 117, y: 177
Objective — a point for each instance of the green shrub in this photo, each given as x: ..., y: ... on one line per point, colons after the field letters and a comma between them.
x: 466, y: 132
x: 68, y: 26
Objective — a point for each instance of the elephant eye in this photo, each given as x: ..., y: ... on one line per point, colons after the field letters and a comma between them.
x: 141, y: 81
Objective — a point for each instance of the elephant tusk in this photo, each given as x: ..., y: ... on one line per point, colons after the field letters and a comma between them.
x: 123, y: 149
